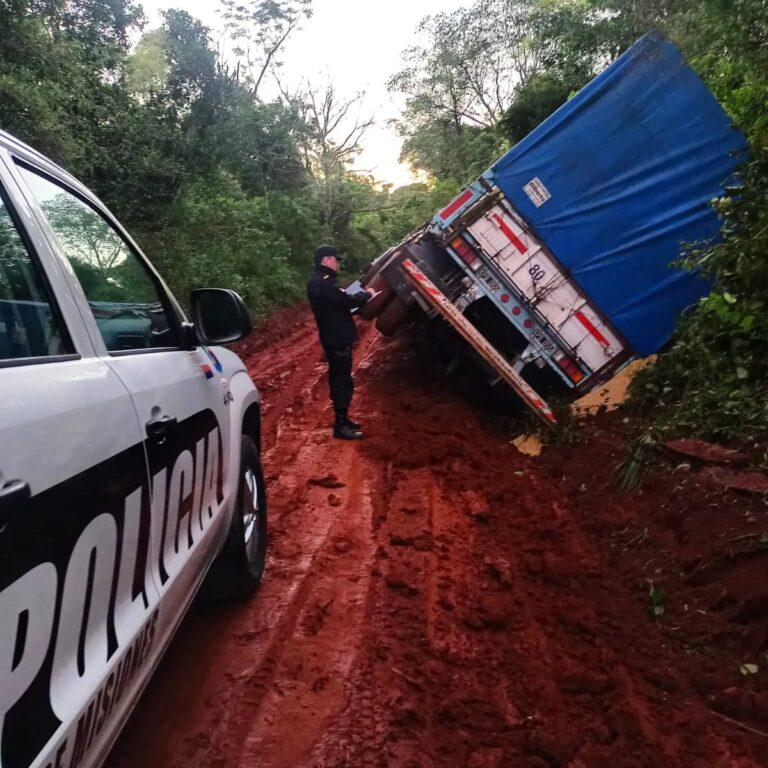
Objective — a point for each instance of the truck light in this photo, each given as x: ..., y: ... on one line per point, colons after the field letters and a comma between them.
x: 528, y: 323
x: 466, y: 253
x: 516, y: 310
x: 504, y: 298
x: 571, y: 370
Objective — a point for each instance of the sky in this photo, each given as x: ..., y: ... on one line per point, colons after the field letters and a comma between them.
x: 357, y: 44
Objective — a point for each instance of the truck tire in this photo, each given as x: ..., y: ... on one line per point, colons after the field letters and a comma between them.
x: 391, y: 317
x: 375, y: 268
x: 372, y: 309
x: 369, y: 274
x: 432, y: 274
x: 237, y: 571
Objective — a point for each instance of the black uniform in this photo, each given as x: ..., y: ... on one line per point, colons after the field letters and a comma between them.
x: 332, y: 308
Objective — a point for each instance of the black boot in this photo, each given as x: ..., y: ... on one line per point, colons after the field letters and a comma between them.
x: 350, y: 423
x: 342, y: 430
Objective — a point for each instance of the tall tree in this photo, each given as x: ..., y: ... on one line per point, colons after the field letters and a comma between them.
x: 260, y: 29
x: 333, y: 127
x: 461, y: 79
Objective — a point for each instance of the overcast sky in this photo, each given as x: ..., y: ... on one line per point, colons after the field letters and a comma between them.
x: 355, y: 43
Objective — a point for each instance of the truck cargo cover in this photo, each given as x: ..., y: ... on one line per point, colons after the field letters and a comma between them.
x: 619, y: 177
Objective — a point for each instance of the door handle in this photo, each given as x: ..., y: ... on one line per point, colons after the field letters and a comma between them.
x: 158, y: 429
x: 14, y: 494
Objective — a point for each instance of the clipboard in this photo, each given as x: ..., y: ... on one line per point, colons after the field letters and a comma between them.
x: 373, y: 296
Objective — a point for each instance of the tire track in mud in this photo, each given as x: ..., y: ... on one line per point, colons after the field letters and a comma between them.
x: 445, y: 605
x: 316, y: 581
x: 319, y: 595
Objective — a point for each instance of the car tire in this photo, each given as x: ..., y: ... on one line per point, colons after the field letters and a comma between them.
x: 237, y: 571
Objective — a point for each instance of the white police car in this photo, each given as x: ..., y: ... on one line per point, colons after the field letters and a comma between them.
x: 129, y: 465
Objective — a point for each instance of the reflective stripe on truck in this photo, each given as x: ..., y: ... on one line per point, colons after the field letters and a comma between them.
x: 429, y: 291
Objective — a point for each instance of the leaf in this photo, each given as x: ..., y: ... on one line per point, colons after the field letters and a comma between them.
x: 729, y: 297
x: 742, y: 373
x: 749, y: 669
x: 657, y: 601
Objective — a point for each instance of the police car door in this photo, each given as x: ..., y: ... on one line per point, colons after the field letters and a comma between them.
x: 180, y: 395
x: 76, y: 604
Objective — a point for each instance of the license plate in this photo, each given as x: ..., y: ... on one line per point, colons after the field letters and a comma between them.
x: 488, y: 279
x: 547, y: 345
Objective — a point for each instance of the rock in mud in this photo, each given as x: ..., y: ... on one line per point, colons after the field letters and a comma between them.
x: 342, y: 545
x: 404, y: 713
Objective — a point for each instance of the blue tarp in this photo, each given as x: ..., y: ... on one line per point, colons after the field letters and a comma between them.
x: 631, y: 163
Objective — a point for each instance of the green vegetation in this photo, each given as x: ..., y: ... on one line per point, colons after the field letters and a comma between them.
x: 221, y: 186
x: 217, y: 184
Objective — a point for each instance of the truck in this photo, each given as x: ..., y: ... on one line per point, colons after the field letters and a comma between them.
x: 555, y: 268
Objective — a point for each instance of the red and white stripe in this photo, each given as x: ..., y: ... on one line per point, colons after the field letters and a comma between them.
x: 436, y: 298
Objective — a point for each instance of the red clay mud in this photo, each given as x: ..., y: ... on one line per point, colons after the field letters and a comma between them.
x: 436, y: 598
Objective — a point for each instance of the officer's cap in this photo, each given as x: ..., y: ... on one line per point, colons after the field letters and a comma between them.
x: 323, y: 251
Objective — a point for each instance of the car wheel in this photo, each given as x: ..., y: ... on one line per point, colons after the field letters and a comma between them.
x: 237, y: 571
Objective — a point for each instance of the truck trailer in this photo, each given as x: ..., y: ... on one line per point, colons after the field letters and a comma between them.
x: 556, y: 265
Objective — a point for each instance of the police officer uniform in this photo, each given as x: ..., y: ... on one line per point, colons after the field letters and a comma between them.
x: 332, y: 308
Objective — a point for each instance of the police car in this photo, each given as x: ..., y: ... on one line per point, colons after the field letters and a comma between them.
x: 129, y: 465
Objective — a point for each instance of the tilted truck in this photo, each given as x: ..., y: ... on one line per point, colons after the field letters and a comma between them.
x: 556, y: 263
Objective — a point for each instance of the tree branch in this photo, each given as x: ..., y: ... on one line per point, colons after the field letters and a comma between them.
x: 270, y: 54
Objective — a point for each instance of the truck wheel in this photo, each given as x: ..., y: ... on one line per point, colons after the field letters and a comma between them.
x: 373, y: 308
x: 392, y: 316
x: 369, y: 274
x: 375, y: 268
x: 432, y: 274
x: 238, y: 569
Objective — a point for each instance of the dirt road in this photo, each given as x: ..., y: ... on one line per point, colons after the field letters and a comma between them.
x: 436, y: 598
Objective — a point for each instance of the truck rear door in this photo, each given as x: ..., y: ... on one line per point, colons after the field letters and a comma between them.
x: 520, y: 256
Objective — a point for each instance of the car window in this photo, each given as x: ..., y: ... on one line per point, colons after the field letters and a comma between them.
x: 28, y: 326
x: 120, y: 290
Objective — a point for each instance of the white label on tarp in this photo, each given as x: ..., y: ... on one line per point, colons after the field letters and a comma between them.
x: 536, y: 190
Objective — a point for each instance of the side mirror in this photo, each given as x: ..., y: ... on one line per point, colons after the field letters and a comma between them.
x: 220, y: 316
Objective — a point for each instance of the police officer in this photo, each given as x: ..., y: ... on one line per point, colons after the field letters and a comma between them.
x: 333, y: 313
